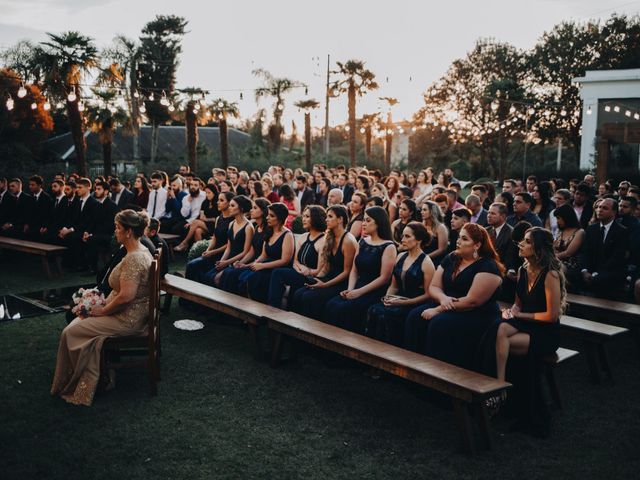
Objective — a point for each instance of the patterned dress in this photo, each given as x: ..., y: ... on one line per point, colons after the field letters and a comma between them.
x: 78, y: 362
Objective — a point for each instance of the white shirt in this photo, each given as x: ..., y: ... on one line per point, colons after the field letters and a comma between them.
x: 606, y: 229
x: 498, y: 229
x: 83, y: 201
x: 118, y: 195
x: 191, y: 209
x: 160, y: 203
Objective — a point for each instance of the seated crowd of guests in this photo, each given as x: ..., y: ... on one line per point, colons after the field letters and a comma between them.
x: 404, y: 261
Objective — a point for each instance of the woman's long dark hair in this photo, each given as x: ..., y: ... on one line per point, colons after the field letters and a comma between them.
x: 281, y: 212
x: 339, y: 211
x: 568, y: 214
x: 287, y: 192
x: 318, y: 217
x: 263, y: 205
x: 380, y: 216
x: 545, y: 258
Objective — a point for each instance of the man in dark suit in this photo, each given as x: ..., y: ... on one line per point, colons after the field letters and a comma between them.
x: 175, y: 195
x: 478, y: 213
x: 120, y: 195
x: 57, y: 214
x: 522, y: 211
x: 499, y: 231
x: 80, y: 223
x: 583, y: 204
x: 41, y: 211
x: 17, y: 222
x: 347, y: 190
x: 304, y: 193
x: 7, y: 201
x: 98, y: 241
x: 603, y: 257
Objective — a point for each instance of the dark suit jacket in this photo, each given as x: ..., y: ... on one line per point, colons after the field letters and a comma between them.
x: 482, y: 219
x: 502, y: 243
x: 608, y: 259
x: 587, y: 213
x: 58, y: 216
x: 41, y: 212
x: 6, y: 207
x: 126, y: 198
x: 106, y: 213
x: 84, y: 220
x: 22, y: 210
x: 347, y: 193
x: 308, y: 197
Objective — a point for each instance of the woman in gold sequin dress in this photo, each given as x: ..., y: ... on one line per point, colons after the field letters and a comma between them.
x: 125, y: 313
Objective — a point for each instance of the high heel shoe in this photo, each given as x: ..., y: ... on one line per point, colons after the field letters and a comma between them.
x: 180, y: 247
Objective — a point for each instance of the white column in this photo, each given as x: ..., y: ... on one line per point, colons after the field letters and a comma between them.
x: 589, y: 126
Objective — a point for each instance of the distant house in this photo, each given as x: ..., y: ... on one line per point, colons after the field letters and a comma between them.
x: 171, y: 145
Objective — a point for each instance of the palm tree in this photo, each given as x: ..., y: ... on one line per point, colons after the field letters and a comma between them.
x: 277, y: 88
x: 65, y: 60
x: 103, y: 119
x: 221, y: 110
x: 368, y: 121
x: 356, y: 81
x: 194, y: 114
x: 388, y: 142
x: 307, y: 106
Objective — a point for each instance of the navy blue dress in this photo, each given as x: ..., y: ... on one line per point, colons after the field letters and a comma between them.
x: 237, y: 246
x: 432, y: 247
x: 350, y: 314
x: 455, y: 336
x: 311, y: 302
x: 198, y: 268
x: 281, y: 277
x: 257, y: 283
x: 387, y: 323
x: 233, y: 278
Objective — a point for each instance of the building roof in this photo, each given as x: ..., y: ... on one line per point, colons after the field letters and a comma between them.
x: 171, y: 143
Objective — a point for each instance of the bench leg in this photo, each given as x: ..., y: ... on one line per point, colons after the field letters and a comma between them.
x: 592, y: 360
x: 635, y: 331
x: 275, y: 349
x: 604, y: 361
x: 45, y: 266
x: 482, y: 419
x: 59, y: 265
x: 461, y: 410
x: 166, y: 306
x: 553, y: 388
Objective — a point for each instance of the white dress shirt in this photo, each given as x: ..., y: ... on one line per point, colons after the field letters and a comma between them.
x: 191, y: 209
x: 160, y: 202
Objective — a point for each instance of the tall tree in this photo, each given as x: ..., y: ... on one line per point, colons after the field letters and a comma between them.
x: 65, y: 60
x: 222, y: 110
x: 367, y: 123
x: 307, y: 106
x: 277, y: 88
x: 356, y: 81
x: 388, y: 138
x: 195, y: 113
x: 103, y: 116
x: 160, y: 47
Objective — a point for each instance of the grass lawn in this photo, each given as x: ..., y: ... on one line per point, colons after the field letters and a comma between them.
x: 221, y: 414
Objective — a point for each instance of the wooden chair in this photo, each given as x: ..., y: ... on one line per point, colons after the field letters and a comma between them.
x: 147, y: 347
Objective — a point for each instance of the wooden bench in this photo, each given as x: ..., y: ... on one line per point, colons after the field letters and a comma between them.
x: 45, y: 250
x: 170, y: 238
x: 468, y: 390
x: 550, y: 364
x: 607, y: 311
x: 247, y: 310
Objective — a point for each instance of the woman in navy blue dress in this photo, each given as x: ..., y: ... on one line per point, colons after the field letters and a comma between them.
x: 409, y: 287
x: 198, y: 267
x: 307, y: 261
x: 337, y: 257
x: 356, y: 207
x: 370, y: 275
x: 464, y: 288
x: 529, y: 329
x: 233, y: 276
x: 278, y: 250
x: 239, y: 237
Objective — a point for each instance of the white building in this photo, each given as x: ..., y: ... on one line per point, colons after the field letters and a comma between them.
x: 601, y: 92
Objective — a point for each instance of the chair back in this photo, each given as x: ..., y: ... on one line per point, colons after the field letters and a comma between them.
x: 154, y: 303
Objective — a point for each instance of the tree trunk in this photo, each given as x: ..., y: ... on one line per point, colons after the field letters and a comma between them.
x: 367, y: 141
x: 155, y: 132
x: 307, y: 142
x: 77, y: 133
x: 135, y: 109
x: 106, y: 157
x: 388, y: 143
x: 191, y: 128
x: 352, y: 124
x: 224, y: 143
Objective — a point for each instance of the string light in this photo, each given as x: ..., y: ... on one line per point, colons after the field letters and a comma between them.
x: 628, y: 113
x: 589, y: 112
x: 172, y: 108
x: 616, y: 109
x: 143, y: 109
x: 34, y: 105
x: 72, y: 95
x: 22, y: 91
x: 607, y: 108
x: 46, y: 106
x: 80, y: 107
x: 151, y: 97
x: 164, y: 101
x: 136, y: 94
x: 10, y: 103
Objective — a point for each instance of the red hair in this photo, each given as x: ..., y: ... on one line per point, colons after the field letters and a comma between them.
x: 479, y: 235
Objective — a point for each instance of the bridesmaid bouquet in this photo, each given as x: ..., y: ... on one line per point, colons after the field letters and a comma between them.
x: 85, y: 299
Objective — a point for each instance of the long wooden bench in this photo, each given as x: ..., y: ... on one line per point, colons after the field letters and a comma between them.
x: 44, y: 250
x: 170, y: 238
x: 468, y: 390
x: 607, y: 311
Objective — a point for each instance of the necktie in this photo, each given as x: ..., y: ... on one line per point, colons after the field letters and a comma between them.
x: 155, y: 201
x: 603, y: 232
x: 57, y: 202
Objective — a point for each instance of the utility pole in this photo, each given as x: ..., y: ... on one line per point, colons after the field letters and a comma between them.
x: 326, y: 111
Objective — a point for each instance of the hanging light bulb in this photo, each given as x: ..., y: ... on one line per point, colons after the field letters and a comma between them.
x: 531, y: 111
x: 220, y: 104
x: 22, y: 91
x: 143, y: 108
x: 34, y: 105
x: 362, y: 130
x: 512, y: 110
x: 172, y: 108
x: 47, y: 105
x: 164, y: 101
x: 589, y: 112
x: 241, y: 97
x: 628, y: 113
x: 136, y: 94
x: 494, y: 106
x: 401, y: 130
x: 10, y: 103
x: 112, y: 109
x: 413, y: 129
x: 636, y: 116
x: 476, y: 102
x: 151, y: 97
x: 607, y: 108
x: 563, y: 113
x: 196, y: 107
x: 280, y: 107
x: 72, y: 95
x: 347, y: 128
x: 195, y: 112
x: 616, y: 109
x: 80, y: 107
x: 59, y: 105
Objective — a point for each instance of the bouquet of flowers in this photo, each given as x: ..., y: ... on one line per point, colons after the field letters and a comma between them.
x: 85, y: 299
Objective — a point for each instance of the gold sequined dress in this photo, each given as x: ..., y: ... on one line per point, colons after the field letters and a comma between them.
x: 78, y: 362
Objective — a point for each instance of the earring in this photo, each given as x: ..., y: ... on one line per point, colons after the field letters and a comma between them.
x: 475, y: 254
